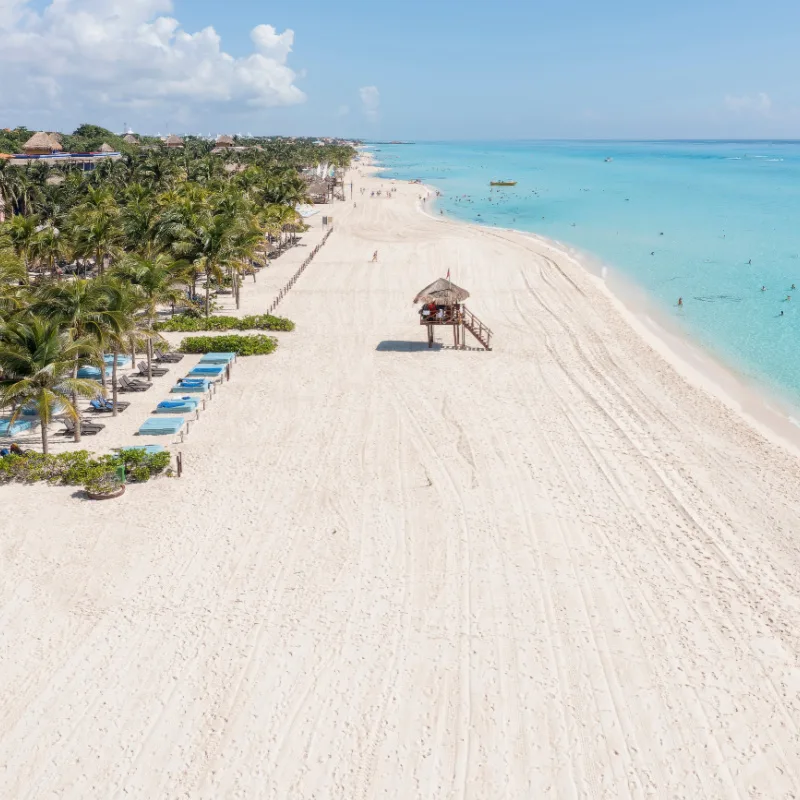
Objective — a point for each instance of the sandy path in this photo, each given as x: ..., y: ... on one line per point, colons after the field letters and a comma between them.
x: 552, y: 570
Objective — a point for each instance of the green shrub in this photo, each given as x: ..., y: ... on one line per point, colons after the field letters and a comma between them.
x: 257, y: 345
x: 80, y: 468
x: 140, y: 474
x: 102, y: 481
x: 189, y: 323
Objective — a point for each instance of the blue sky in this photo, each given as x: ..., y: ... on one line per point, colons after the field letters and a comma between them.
x: 432, y: 69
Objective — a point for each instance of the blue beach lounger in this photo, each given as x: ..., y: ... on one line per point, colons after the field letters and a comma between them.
x: 122, y: 360
x: 184, y: 404
x: 150, y: 449
x: 20, y: 426
x: 191, y: 386
x: 212, y: 370
x: 217, y: 358
x: 162, y: 426
x: 93, y: 373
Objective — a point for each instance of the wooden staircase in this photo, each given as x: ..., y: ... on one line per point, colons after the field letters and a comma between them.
x: 476, y: 328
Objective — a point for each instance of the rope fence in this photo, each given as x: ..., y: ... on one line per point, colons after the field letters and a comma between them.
x: 309, y: 258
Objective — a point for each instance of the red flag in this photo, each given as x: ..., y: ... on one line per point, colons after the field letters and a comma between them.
x: 448, y: 273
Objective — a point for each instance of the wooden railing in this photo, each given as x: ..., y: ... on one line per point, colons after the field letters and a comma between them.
x: 476, y: 328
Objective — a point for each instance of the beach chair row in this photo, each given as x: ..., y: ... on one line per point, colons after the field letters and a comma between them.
x: 199, y: 384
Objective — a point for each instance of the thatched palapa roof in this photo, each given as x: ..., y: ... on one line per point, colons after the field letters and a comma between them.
x: 42, y: 141
x: 224, y: 140
x: 443, y: 293
x: 173, y: 141
x: 129, y: 138
x: 106, y: 148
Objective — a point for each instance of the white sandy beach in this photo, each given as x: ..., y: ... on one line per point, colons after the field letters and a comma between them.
x: 557, y: 569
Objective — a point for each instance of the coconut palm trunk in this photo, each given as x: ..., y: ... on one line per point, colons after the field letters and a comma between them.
x: 77, y: 436
x: 45, y: 448
x: 114, y: 382
x: 149, y: 359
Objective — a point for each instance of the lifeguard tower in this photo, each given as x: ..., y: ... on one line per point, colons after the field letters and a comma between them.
x: 443, y: 304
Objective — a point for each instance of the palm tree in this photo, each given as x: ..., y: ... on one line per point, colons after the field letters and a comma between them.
x: 85, y: 309
x: 209, y: 245
x: 139, y: 220
x: 37, y: 358
x: 12, y: 278
x: 49, y: 247
x: 95, y: 233
x: 125, y: 303
x: 20, y: 234
x: 156, y: 281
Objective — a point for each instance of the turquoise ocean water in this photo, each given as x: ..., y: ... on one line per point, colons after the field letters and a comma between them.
x: 710, y: 222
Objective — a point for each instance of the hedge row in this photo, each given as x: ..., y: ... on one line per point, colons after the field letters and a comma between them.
x: 257, y: 345
x: 186, y: 323
x: 80, y: 467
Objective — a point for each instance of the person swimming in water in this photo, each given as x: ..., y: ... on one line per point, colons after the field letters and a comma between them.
x: 763, y: 288
x: 680, y: 302
x: 793, y: 286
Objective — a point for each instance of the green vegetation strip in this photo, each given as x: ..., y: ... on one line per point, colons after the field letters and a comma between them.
x: 258, y: 345
x: 185, y: 323
x: 81, y: 468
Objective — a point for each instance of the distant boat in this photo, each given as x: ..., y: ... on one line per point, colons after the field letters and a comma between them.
x: 503, y: 183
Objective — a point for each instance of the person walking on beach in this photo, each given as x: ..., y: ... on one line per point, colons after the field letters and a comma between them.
x: 375, y: 257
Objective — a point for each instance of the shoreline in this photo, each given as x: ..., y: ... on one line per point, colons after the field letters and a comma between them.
x: 556, y: 568
x: 766, y: 409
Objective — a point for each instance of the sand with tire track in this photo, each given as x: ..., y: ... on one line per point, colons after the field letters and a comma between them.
x: 556, y: 569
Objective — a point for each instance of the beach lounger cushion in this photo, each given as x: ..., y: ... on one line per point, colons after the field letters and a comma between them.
x: 162, y: 426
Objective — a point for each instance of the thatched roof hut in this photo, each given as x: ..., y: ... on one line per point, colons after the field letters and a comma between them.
x: 106, y: 148
x: 129, y: 138
x: 41, y: 144
x: 224, y: 141
x: 173, y: 141
x: 442, y: 292
x: 56, y: 137
x: 318, y: 190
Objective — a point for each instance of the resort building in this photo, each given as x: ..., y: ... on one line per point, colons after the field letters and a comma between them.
x: 223, y: 141
x: 46, y: 148
x: 129, y: 138
x: 42, y: 144
x: 173, y: 141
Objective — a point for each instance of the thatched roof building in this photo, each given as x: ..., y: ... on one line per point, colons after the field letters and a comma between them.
x: 224, y: 141
x: 173, y: 141
x: 318, y: 190
x: 41, y: 144
x: 442, y: 292
x: 106, y: 148
x: 129, y: 138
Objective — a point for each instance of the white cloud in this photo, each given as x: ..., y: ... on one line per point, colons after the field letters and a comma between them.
x: 91, y: 54
x: 760, y: 103
x: 371, y: 101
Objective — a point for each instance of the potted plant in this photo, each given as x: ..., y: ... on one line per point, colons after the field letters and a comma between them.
x: 104, y: 485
